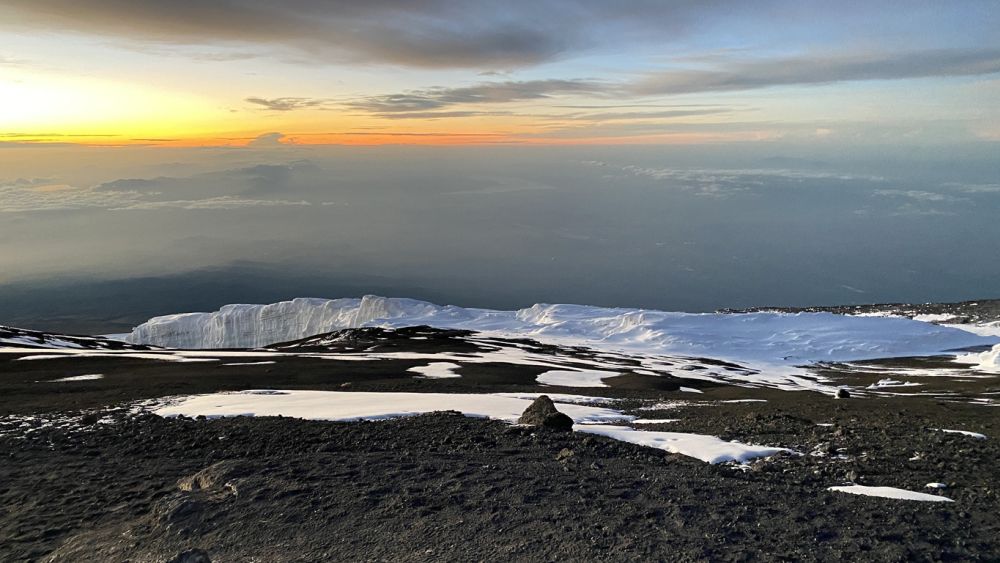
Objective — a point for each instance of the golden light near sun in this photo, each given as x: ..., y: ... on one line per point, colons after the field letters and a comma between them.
x: 40, y: 107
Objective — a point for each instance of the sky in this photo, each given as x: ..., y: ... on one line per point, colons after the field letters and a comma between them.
x: 687, y: 154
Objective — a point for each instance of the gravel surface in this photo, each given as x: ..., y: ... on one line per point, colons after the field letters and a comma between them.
x: 86, y: 478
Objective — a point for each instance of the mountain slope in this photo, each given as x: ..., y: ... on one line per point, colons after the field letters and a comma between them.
x: 22, y: 338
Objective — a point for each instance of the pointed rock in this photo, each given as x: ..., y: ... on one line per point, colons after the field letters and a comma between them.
x: 543, y: 412
x: 191, y: 556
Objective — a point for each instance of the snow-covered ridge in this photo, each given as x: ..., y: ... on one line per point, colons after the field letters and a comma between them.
x: 768, y: 338
x: 11, y: 337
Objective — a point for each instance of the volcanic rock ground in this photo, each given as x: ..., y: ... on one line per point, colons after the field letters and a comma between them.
x: 87, y: 477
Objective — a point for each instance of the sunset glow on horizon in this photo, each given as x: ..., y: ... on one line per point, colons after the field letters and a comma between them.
x: 445, y: 72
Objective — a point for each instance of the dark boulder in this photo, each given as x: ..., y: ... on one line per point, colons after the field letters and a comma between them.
x: 191, y: 556
x: 543, y: 413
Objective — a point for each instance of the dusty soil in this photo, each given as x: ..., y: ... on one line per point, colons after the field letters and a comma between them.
x: 84, y: 479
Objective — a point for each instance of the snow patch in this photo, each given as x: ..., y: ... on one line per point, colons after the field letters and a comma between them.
x: 575, y: 378
x: 347, y: 406
x: 988, y: 361
x: 654, y: 420
x: 984, y: 329
x: 350, y: 406
x: 58, y: 354
x: 883, y: 383
x: 88, y: 377
x: 437, y: 370
x: 933, y: 317
x: 889, y: 492
x: 706, y: 448
x: 975, y: 435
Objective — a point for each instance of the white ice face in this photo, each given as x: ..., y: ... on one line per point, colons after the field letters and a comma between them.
x: 766, y: 338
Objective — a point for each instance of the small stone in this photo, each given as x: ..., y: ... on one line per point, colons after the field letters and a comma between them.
x: 842, y: 394
x: 90, y: 418
x: 564, y: 455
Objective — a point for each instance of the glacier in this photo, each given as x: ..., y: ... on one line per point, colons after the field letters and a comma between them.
x: 760, y: 339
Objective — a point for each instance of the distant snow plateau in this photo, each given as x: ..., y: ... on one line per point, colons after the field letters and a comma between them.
x: 760, y: 339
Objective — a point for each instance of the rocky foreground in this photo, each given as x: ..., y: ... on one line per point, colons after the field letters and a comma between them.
x: 88, y: 476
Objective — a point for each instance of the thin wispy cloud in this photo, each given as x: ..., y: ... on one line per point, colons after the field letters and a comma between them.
x: 238, y: 188
x: 733, y: 76
x: 820, y: 69
x: 647, y: 115
x: 720, y: 183
x: 23, y: 197
x: 287, y: 104
x: 974, y: 188
x: 485, y: 93
x: 61, y: 197
x: 213, y: 203
x: 12, y: 62
x: 440, y: 114
x: 921, y: 196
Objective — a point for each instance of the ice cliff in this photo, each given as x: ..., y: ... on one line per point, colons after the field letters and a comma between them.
x: 771, y: 338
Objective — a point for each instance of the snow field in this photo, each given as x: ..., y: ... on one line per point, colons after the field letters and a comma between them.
x: 350, y: 406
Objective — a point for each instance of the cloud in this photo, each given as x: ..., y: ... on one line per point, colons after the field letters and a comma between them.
x: 424, y: 33
x: 237, y: 188
x: 221, y: 202
x: 440, y: 114
x: 21, y: 136
x: 287, y: 104
x: 20, y: 197
x: 420, y: 33
x: 707, y: 183
x: 137, y: 185
x: 919, y: 195
x: 913, y: 210
x: 267, y: 178
x: 268, y: 140
x: 486, y: 93
x: 974, y: 188
x: 727, y: 76
x: 919, y: 203
x: 23, y: 198
x: 803, y: 70
x: 720, y: 183
x: 486, y: 36
x: 9, y: 61
x: 632, y: 115
x: 256, y: 179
